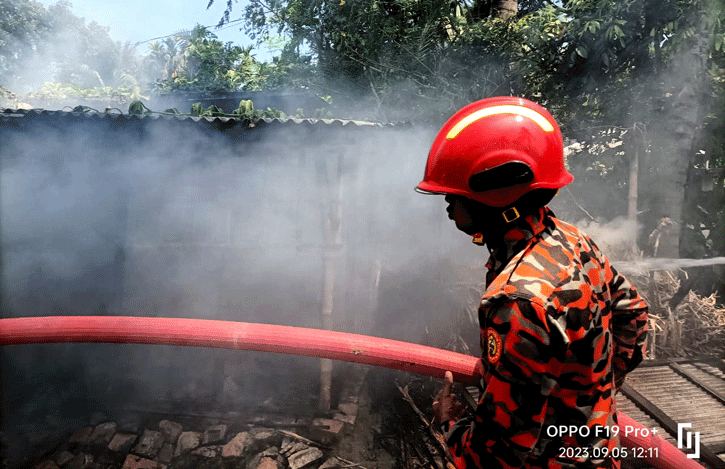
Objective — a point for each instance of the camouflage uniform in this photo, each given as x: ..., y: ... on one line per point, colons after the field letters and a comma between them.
x: 560, y: 328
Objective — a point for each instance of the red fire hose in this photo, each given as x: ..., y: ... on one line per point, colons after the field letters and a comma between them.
x: 298, y: 341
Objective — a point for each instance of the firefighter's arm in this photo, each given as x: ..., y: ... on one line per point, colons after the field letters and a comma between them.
x: 629, y: 326
x: 524, y: 353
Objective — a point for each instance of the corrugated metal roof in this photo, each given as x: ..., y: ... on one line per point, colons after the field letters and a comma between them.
x: 9, y: 115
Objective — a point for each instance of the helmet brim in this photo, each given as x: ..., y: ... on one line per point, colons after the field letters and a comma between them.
x: 425, y: 192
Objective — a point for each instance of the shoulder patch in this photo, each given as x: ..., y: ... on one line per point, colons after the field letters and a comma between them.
x: 493, y: 345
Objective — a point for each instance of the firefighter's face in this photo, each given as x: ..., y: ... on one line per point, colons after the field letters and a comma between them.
x: 459, y: 211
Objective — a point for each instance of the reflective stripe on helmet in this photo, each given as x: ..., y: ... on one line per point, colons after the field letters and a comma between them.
x: 540, y: 120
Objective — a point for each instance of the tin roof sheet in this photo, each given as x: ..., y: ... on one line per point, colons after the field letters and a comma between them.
x: 7, y: 115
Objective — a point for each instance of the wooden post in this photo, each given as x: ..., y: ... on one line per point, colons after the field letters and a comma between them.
x: 332, y: 245
x: 652, y: 338
x: 632, y: 195
x: 676, y: 334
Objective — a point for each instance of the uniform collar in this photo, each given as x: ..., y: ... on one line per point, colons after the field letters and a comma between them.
x: 516, y: 239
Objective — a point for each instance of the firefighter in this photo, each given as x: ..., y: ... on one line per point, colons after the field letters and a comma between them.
x: 560, y: 327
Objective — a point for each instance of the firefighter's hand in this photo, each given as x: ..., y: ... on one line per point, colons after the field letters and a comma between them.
x: 445, y: 405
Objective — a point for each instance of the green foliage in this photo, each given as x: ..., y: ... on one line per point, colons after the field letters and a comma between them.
x: 199, y: 63
x: 622, y: 77
x: 431, y: 56
x: 138, y: 108
x: 245, y: 110
x: 197, y: 109
x: 23, y: 26
x: 39, y: 44
x: 51, y: 91
x: 388, y: 51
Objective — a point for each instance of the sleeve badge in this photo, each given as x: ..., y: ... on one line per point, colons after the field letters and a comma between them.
x: 494, y: 345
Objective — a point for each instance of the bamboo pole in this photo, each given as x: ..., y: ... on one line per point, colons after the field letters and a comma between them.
x: 332, y: 243
x: 632, y: 195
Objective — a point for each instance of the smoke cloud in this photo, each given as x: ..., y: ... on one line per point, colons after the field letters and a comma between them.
x: 175, y: 221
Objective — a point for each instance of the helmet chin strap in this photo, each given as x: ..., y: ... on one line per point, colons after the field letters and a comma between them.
x: 493, y: 227
x: 491, y: 223
x: 501, y: 220
x: 500, y: 227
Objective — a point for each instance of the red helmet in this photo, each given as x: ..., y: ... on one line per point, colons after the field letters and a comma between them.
x: 496, y: 150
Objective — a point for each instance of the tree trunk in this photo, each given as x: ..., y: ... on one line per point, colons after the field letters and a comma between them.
x: 504, y: 9
x: 676, y: 150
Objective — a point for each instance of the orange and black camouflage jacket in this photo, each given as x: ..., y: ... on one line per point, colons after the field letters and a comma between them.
x: 560, y: 328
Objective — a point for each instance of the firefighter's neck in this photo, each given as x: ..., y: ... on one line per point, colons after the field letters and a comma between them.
x: 490, y: 229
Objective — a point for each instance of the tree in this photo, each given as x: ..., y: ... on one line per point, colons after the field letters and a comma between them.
x: 198, y: 62
x: 23, y: 25
x: 79, y: 54
x: 360, y: 48
x: 653, y: 68
x: 166, y: 57
x: 128, y: 68
x: 40, y: 45
x: 504, y: 9
x: 639, y: 84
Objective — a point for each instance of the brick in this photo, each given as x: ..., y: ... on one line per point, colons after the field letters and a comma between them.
x: 326, y: 431
x: 47, y: 465
x: 304, y: 458
x: 166, y: 454
x: 102, y: 434
x: 332, y: 463
x: 271, y: 452
x: 136, y: 462
x: 81, y: 436
x: 149, y: 444
x: 269, y: 458
x: 262, y: 438
x: 122, y: 442
x: 268, y: 463
x: 294, y: 448
x: 266, y: 437
x: 187, y: 441
x: 348, y: 408
x: 170, y: 430
x: 236, y: 446
x: 208, y: 451
x: 348, y: 420
x: 214, y: 433
x: 64, y: 458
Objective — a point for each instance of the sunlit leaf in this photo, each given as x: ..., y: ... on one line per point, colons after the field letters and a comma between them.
x: 136, y: 108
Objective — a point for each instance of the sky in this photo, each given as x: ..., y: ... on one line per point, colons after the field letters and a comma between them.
x: 140, y: 20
